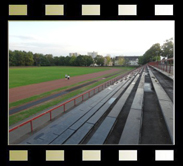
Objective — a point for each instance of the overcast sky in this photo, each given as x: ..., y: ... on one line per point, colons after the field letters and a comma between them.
x: 105, y: 37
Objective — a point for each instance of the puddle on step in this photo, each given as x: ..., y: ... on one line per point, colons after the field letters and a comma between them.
x: 111, y: 100
x: 147, y: 87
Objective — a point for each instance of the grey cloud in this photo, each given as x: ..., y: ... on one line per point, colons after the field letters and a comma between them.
x: 23, y: 37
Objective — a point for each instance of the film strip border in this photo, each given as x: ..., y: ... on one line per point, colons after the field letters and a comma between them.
x: 90, y: 155
x: 97, y: 154
x: 90, y: 10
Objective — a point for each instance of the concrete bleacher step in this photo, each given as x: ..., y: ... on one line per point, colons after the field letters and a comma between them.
x: 80, y: 134
x: 131, y: 131
x: 93, y: 119
x: 60, y: 139
x: 99, y: 113
x: 64, y: 122
x: 165, y: 103
x: 60, y: 126
x: 96, y: 114
x: 102, y: 132
x: 117, y: 108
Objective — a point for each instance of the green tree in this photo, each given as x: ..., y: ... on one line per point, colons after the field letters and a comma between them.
x: 19, y: 55
x: 152, y: 54
x: 167, y: 48
x: 121, y: 61
x: 89, y: 60
x: 155, y: 52
x: 12, y: 58
x: 108, y: 59
x: 56, y: 60
x: 72, y: 60
x: 44, y: 61
x: 67, y: 60
x: 113, y: 61
x: 28, y: 56
x: 50, y: 59
x: 80, y: 61
x: 99, y: 60
x: 36, y: 58
x: 62, y: 61
x: 141, y: 60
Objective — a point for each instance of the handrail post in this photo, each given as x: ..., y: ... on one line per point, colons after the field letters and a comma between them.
x: 169, y: 67
x: 74, y: 102
x: 50, y: 116
x: 64, y: 107
x: 31, y: 126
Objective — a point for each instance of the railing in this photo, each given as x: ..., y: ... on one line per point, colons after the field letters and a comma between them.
x: 62, y: 108
x: 164, y: 65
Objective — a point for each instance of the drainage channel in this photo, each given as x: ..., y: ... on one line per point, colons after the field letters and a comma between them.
x: 154, y: 130
x: 115, y: 134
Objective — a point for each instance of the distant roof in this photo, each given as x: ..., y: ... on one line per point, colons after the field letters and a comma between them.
x: 127, y: 57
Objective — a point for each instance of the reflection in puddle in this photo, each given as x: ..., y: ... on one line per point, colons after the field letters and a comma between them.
x: 147, y: 87
x: 111, y: 100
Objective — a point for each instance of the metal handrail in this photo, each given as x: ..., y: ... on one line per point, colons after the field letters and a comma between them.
x: 164, y: 65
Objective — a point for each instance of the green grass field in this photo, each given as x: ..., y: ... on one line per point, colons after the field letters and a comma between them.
x: 20, y: 76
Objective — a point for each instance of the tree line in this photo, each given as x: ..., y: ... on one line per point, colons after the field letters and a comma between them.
x: 156, y: 51
x: 23, y: 58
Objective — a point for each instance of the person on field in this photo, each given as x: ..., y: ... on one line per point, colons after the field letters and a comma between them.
x: 68, y: 77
